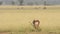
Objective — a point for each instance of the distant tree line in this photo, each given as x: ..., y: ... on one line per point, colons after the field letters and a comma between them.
x: 1, y: 2
x: 13, y: 3
x: 28, y: 3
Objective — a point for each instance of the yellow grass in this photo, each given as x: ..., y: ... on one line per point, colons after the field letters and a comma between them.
x: 21, y: 19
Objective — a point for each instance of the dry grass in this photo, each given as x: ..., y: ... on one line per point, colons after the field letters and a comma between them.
x: 21, y: 19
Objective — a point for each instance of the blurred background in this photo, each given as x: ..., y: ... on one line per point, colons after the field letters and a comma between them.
x: 29, y: 2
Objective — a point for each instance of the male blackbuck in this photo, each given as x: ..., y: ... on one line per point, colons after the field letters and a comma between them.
x: 36, y: 24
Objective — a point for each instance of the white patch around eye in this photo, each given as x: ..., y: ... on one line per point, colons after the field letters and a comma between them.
x: 36, y: 23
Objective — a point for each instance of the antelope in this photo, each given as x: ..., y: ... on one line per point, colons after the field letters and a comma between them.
x: 36, y: 24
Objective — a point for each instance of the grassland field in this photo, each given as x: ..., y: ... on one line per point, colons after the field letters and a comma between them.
x: 19, y: 19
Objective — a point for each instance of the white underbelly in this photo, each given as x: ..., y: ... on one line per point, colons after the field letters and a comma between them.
x: 36, y: 23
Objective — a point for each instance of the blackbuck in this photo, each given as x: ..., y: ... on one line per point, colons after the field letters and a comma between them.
x: 36, y: 24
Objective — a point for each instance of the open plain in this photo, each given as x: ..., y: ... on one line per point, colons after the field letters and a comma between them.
x: 18, y: 19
